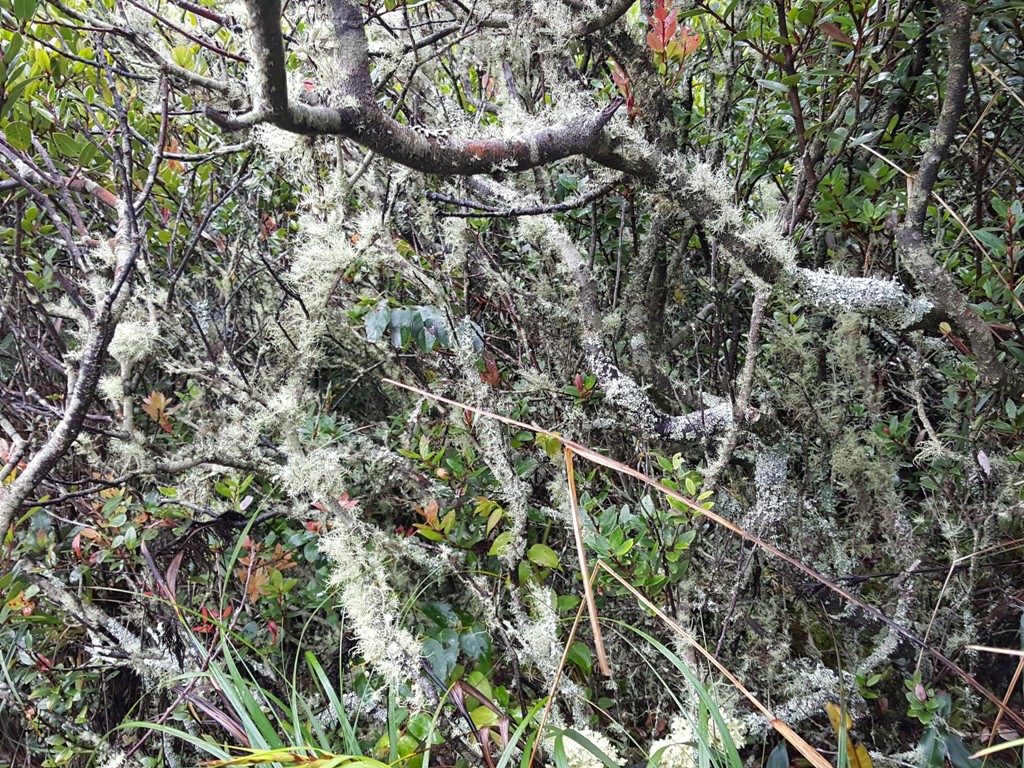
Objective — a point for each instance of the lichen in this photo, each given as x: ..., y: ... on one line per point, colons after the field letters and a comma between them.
x: 578, y: 756
x: 372, y: 607
x: 683, y: 745
x: 134, y: 340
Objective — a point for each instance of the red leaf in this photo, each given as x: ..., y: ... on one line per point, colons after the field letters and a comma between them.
x: 490, y: 374
x: 267, y: 226
x: 620, y: 78
x: 663, y: 26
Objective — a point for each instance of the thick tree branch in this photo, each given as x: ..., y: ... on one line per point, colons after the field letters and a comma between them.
x: 355, y: 115
x: 932, y: 277
x: 604, y: 18
x: 101, y: 331
x: 482, y: 210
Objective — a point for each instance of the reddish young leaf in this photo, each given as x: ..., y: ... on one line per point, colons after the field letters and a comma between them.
x: 490, y: 375
x: 663, y: 25
x: 621, y: 80
x: 578, y: 383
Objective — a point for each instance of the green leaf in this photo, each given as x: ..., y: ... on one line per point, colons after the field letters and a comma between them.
x: 482, y: 716
x: 19, y: 135
x: 13, y: 46
x: 476, y: 642
x: 24, y: 9
x: 779, y: 757
x: 376, y: 321
x: 771, y: 85
x: 500, y: 543
x: 438, y: 659
x: 958, y: 754
x: 567, y: 602
x: 66, y: 145
x: 88, y: 153
x: 864, y: 138
x: 542, y: 555
x: 579, y: 654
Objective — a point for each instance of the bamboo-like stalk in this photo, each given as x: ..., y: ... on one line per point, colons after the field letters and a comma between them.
x: 588, y: 590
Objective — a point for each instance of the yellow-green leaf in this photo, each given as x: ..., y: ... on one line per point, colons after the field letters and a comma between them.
x: 543, y: 555
x: 500, y: 543
x: 19, y: 135
x: 494, y: 519
x: 482, y: 716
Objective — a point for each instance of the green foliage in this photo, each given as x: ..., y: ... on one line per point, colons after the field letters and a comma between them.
x: 165, y: 588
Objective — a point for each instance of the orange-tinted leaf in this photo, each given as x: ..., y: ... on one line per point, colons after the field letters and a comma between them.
x: 841, y: 721
x: 175, y: 166
x: 837, y: 716
x: 430, y: 513
x: 490, y: 375
x: 154, y: 405
x: 267, y: 226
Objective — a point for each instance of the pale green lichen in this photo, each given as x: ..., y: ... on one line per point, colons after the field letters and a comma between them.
x: 775, y: 502
x: 578, y: 756
x: 372, y: 607
x: 111, y: 389
x: 884, y: 299
x: 683, y: 746
x: 134, y: 340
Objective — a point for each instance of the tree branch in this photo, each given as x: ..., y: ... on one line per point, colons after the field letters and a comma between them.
x: 355, y: 115
x: 935, y: 278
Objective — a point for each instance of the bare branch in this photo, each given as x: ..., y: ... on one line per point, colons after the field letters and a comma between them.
x: 488, y: 211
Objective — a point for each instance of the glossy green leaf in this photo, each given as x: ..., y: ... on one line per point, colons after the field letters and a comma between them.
x: 19, y: 135
x: 542, y: 555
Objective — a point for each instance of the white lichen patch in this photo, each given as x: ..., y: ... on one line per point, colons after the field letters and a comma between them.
x: 279, y: 145
x: 126, y: 455
x: 765, y: 237
x: 539, y: 634
x: 710, y: 189
x: 134, y: 340
x: 111, y: 389
x: 103, y: 253
x: 774, y: 497
x: 578, y: 756
x: 683, y: 745
x: 318, y: 473
x: 372, y: 607
x: 884, y: 299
